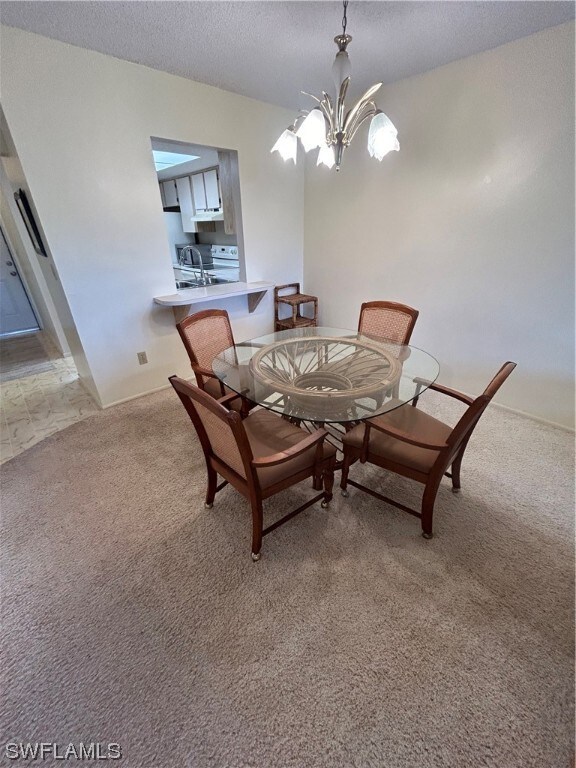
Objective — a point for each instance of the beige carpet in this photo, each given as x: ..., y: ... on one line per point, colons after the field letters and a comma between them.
x: 133, y: 615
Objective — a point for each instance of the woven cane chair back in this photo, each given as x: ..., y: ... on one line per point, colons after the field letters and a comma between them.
x: 205, y: 335
x: 221, y: 438
x: 387, y: 320
x: 219, y: 430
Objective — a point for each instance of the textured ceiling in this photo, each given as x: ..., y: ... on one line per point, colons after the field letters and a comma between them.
x: 271, y: 50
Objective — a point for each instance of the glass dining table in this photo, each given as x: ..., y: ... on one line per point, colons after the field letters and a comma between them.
x: 326, y: 375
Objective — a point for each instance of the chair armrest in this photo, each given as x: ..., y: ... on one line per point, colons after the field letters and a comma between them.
x: 304, y: 445
x: 204, y: 371
x: 405, y: 437
x: 228, y: 398
x: 446, y: 391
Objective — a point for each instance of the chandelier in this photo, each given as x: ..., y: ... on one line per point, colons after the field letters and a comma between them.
x: 330, y: 126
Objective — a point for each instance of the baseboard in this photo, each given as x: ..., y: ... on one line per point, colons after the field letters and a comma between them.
x: 135, y: 397
x: 497, y: 405
x: 533, y: 418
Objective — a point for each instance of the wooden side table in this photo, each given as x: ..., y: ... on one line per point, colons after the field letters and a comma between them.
x: 294, y: 300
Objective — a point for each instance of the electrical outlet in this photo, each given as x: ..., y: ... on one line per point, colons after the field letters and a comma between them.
x: 142, y: 358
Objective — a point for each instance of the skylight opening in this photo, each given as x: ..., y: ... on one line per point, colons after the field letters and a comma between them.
x: 168, y: 159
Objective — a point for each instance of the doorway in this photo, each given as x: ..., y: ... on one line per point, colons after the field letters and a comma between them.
x: 17, y: 316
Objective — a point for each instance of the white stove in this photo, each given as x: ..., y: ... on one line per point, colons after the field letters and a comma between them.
x: 225, y: 261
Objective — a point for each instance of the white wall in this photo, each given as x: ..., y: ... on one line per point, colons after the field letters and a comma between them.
x: 472, y: 222
x: 81, y: 123
x: 175, y: 233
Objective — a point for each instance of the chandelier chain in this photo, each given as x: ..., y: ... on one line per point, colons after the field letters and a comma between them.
x: 344, y: 19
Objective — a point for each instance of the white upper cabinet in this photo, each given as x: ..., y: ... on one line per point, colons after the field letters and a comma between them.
x: 212, y: 190
x: 198, y: 191
x: 206, y: 191
x: 186, y: 204
x: 203, y: 197
x: 169, y: 193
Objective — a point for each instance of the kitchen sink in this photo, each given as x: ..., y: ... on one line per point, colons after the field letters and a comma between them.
x: 185, y: 284
x: 198, y: 284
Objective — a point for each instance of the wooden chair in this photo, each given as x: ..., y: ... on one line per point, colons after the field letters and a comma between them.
x: 290, y: 295
x: 259, y: 455
x: 206, y: 334
x: 411, y: 443
x: 387, y: 320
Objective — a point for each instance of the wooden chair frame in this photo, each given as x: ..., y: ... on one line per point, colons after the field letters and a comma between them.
x: 450, y: 453
x: 201, y: 372
x: 322, y: 469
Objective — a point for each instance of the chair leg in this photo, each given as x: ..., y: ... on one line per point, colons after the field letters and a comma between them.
x: 344, y: 475
x: 328, y: 476
x: 317, y: 482
x: 428, y: 500
x: 257, y: 518
x: 211, y: 490
x: 455, y: 472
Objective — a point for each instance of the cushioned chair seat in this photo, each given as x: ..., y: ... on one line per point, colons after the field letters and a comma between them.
x: 410, y: 420
x: 269, y: 434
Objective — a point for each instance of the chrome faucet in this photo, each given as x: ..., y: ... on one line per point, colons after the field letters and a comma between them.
x: 203, y: 279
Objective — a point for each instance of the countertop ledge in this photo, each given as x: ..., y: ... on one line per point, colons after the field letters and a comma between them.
x: 187, y: 296
x: 182, y: 301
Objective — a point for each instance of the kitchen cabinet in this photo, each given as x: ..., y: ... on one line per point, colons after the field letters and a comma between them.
x: 206, y: 191
x: 186, y: 204
x: 212, y: 186
x: 201, y: 199
x: 169, y: 193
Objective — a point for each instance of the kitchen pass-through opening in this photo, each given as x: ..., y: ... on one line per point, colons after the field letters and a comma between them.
x: 200, y: 192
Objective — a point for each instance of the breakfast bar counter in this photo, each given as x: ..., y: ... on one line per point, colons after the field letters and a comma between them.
x: 181, y: 300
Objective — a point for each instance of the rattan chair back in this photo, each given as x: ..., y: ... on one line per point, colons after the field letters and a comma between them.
x: 219, y: 430
x: 387, y: 320
x: 205, y: 334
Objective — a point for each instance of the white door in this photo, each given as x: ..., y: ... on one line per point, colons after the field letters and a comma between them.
x: 16, y: 313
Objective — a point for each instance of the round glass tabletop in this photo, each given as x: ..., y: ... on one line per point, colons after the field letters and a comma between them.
x: 325, y: 374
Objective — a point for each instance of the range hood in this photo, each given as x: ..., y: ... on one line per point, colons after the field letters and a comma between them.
x: 208, y: 216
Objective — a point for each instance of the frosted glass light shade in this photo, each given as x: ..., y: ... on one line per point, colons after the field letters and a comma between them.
x: 382, y: 136
x: 286, y: 145
x: 326, y: 156
x: 312, y: 132
x: 341, y: 69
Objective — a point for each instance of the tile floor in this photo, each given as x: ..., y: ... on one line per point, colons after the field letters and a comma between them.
x: 37, y: 405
